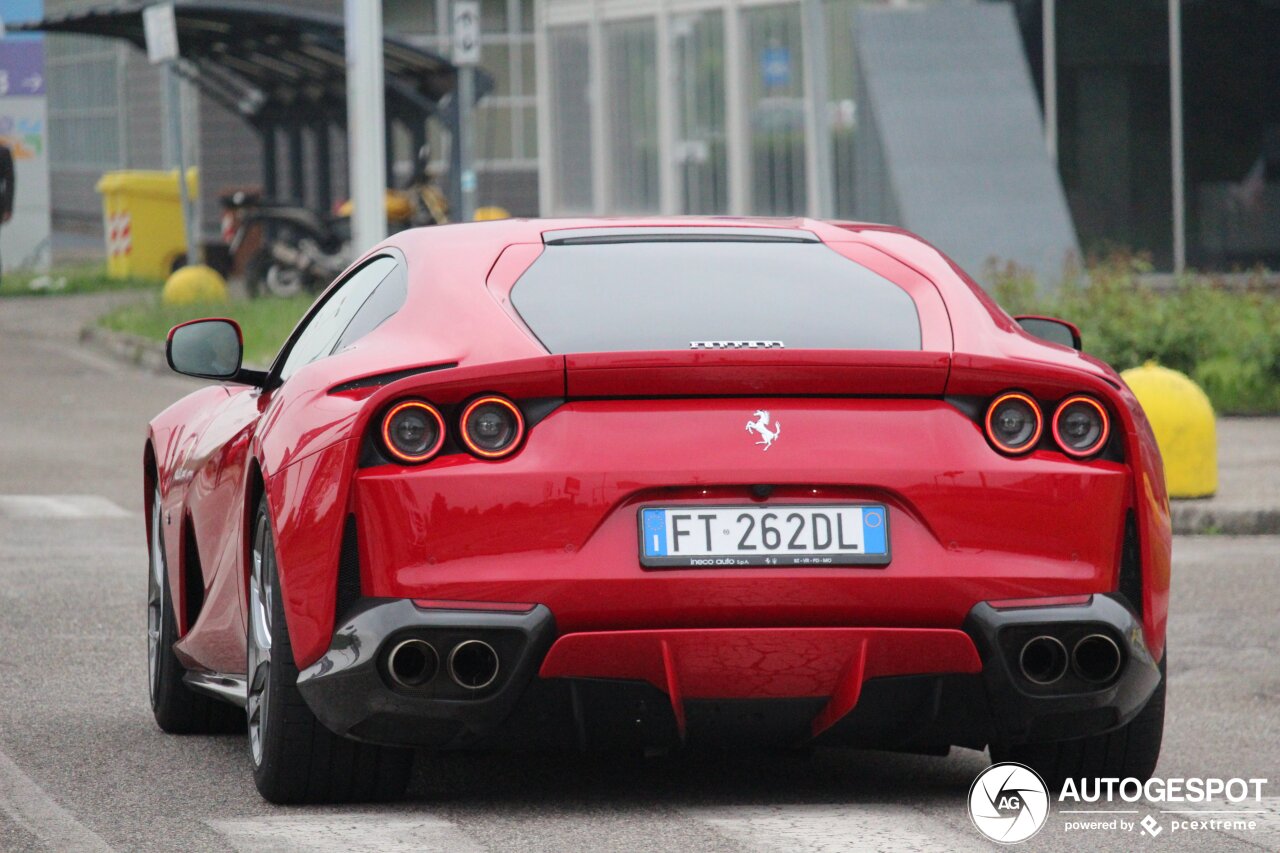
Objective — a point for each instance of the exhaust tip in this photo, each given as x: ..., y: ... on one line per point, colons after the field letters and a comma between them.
x: 412, y: 662
x: 1096, y: 658
x: 473, y: 664
x: 1043, y: 659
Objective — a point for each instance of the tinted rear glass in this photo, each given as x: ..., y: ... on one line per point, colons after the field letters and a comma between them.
x: 612, y: 297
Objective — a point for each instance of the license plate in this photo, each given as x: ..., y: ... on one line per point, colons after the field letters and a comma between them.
x: 724, y: 536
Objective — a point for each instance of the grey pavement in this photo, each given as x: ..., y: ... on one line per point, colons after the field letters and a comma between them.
x: 83, y: 767
x: 1248, y: 496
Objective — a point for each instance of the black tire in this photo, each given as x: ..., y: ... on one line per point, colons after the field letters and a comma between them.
x: 301, y: 760
x: 1130, y: 751
x: 177, y: 709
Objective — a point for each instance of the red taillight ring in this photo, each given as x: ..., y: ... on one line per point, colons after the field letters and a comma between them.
x: 1102, y: 437
x: 405, y: 457
x: 1035, y: 437
x: 506, y: 404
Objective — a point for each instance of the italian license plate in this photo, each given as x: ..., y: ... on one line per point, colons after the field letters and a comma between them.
x: 724, y: 536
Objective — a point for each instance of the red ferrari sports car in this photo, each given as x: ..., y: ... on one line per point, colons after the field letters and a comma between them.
x: 637, y: 483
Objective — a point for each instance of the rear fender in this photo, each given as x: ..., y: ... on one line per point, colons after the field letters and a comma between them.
x: 984, y: 376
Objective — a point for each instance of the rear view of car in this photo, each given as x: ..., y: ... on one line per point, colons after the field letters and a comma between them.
x: 720, y: 480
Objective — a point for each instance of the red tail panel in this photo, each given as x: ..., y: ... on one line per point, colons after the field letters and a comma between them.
x: 720, y: 373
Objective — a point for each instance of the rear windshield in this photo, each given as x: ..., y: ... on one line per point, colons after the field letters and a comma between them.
x: 662, y: 295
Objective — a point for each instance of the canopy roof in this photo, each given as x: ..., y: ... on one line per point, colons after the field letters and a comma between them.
x: 273, y: 64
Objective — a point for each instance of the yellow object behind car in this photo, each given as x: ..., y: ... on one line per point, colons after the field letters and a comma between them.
x: 198, y: 284
x: 399, y: 206
x: 1182, y: 418
x: 142, y: 221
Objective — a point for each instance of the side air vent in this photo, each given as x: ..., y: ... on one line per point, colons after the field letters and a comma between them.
x: 193, y: 575
x: 1131, y: 565
x: 348, y: 570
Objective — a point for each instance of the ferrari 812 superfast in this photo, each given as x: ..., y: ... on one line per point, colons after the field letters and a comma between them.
x: 636, y: 484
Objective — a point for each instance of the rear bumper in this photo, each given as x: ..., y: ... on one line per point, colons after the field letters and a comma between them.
x: 897, y: 688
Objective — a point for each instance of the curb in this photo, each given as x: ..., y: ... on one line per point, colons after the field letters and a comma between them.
x: 1198, y: 517
x: 121, y: 346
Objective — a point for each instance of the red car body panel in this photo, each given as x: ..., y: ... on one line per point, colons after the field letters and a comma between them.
x: 555, y: 524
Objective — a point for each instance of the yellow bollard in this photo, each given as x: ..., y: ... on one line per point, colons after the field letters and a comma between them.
x: 1182, y: 418
x: 490, y: 213
x: 188, y: 285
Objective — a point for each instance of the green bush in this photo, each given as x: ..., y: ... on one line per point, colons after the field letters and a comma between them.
x: 1226, y: 339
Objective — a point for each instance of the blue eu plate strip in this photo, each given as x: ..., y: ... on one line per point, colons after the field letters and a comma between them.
x: 655, y: 533
x: 873, y: 530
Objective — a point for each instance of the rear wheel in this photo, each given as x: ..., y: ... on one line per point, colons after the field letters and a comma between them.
x: 295, y: 758
x: 177, y: 709
x: 1129, y: 751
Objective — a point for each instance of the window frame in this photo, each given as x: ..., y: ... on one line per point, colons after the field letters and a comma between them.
x: 274, y: 377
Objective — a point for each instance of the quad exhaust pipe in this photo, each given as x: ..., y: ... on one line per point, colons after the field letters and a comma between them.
x: 413, y: 662
x: 1096, y: 658
x: 1043, y: 659
x: 473, y: 664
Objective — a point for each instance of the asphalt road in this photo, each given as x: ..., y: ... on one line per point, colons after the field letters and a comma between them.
x: 83, y: 767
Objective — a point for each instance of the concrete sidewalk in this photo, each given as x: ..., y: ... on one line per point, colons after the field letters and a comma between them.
x: 1248, y: 498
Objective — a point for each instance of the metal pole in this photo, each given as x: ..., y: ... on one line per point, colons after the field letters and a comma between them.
x: 366, y: 148
x: 814, y: 35
x: 1051, y: 79
x: 180, y: 157
x: 1175, y: 133
x: 466, y: 138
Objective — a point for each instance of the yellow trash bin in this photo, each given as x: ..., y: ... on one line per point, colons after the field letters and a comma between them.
x: 142, y: 222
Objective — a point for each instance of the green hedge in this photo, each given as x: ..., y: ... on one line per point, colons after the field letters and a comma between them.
x: 1226, y: 339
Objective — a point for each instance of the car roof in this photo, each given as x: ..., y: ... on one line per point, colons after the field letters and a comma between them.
x: 452, y: 315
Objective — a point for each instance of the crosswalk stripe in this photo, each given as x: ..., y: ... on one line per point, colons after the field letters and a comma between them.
x: 344, y: 833
x: 861, y: 828
x: 59, y: 506
x: 36, y: 812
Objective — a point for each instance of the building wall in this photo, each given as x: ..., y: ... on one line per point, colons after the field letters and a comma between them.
x: 120, y: 121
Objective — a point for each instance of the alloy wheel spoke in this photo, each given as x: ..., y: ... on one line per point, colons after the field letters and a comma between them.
x: 259, y: 639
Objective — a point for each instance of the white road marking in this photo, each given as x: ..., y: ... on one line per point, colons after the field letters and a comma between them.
x: 59, y: 506
x: 31, y: 808
x: 349, y: 833
x: 854, y: 828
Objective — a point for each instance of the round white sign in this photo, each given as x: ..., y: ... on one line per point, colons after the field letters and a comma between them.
x: 1009, y: 802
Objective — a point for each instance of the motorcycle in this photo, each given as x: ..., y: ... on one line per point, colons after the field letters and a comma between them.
x: 285, y: 249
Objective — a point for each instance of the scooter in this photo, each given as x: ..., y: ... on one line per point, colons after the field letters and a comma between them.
x: 292, y: 250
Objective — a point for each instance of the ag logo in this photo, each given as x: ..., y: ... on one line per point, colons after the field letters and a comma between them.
x: 1008, y: 802
x: 760, y: 426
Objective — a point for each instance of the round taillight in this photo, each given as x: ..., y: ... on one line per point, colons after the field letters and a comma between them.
x: 413, y: 431
x: 492, y: 427
x: 1081, y: 426
x: 1014, y: 423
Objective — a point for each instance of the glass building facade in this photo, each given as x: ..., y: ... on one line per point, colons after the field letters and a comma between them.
x: 690, y: 106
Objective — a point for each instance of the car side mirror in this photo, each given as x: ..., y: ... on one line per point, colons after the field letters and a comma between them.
x: 207, y: 349
x: 1051, y: 329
